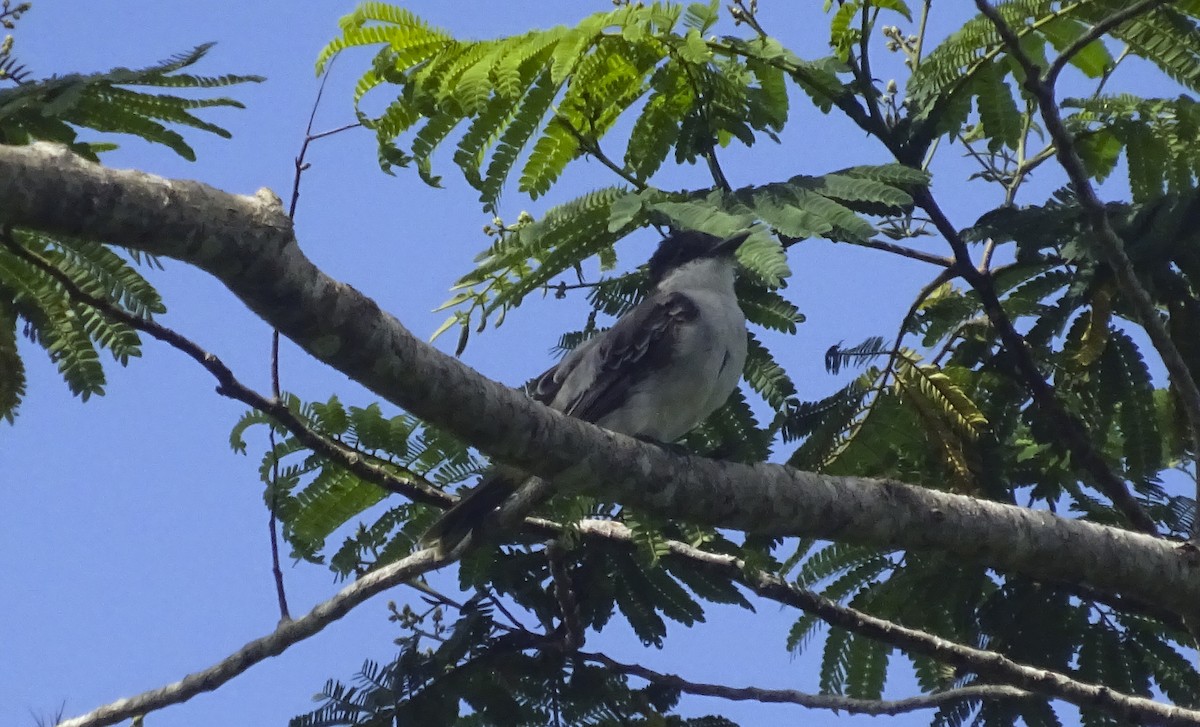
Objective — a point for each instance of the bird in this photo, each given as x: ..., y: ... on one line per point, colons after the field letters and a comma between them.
x: 659, y: 371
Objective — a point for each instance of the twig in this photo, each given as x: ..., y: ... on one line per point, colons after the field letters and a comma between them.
x: 1108, y: 72
x: 592, y: 146
x: 409, y: 485
x: 811, y: 701
x: 908, y: 252
x: 922, y: 25
x: 262, y: 648
x: 1106, y: 241
x: 500, y: 607
x: 743, y: 14
x: 862, y: 69
x: 573, y: 631
x: 276, y: 391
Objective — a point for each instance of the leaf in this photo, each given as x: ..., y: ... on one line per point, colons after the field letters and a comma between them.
x: 767, y: 308
x: 766, y: 376
x: 997, y: 111
x: 1137, y: 414
x: 49, y: 109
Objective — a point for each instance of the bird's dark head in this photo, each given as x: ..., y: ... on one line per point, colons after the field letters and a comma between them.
x: 685, y: 246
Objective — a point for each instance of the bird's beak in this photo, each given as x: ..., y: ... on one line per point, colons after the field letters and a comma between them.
x: 730, y: 244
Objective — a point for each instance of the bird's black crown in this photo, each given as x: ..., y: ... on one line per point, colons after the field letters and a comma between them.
x: 680, y: 248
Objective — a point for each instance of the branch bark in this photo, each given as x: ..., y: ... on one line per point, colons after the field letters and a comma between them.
x: 248, y: 243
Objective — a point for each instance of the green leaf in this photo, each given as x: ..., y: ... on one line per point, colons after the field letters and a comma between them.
x: 998, y: 111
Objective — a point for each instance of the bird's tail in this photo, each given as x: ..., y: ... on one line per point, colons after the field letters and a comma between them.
x: 472, y: 510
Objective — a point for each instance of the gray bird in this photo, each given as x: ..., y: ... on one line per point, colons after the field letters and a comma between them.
x: 658, y: 372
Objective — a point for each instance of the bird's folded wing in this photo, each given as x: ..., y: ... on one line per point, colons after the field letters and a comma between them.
x: 641, y: 342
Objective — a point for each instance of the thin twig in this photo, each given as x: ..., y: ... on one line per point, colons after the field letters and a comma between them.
x: 922, y: 25
x: 1108, y: 244
x: 811, y: 701
x: 564, y: 593
x: 908, y: 252
x: 276, y: 391
x: 1108, y: 72
x: 592, y: 147
x: 500, y: 607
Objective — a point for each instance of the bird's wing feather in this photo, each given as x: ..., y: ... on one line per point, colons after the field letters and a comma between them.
x: 639, y: 343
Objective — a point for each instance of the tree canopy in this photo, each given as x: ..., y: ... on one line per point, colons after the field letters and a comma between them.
x: 1001, y: 501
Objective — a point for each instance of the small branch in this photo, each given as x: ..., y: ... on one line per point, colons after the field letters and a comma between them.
x: 715, y: 170
x: 811, y: 701
x: 747, y: 15
x: 908, y: 252
x: 260, y: 649
x: 922, y: 25
x: 1108, y: 72
x: 592, y: 147
x: 1093, y: 34
x: 862, y: 70
x: 409, y: 486
x: 276, y: 391
x: 331, y: 132
x: 508, y: 614
x: 573, y: 631
x: 1107, y: 243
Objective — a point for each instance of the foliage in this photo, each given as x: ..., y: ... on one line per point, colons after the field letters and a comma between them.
x: 947, y: 402
x: 31, y: 301
x: 486, y: 665
x: 314, y: 497
x: 957, y: 413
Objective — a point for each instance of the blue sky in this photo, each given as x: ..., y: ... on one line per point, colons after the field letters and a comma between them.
x: 134, y: 542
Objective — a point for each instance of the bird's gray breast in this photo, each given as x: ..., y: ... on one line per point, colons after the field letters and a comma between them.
x: 707, y: 357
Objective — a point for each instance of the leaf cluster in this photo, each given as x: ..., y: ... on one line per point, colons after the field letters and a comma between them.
x: 35, y: 305
x: 54, y: 109
x: 32, y: 302
x: 316, y: 498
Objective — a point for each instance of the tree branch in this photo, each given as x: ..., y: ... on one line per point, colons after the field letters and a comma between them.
x: 247, y: 243
x: 273, y: 644
x: 411, y: 486
x: 908, y: 252
x: 985, y: 663
x: 1105, y: 240
x: 812, y: 701
x: 1072, y: 431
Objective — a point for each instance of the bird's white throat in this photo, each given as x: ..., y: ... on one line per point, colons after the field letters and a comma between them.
x: 703, y: 274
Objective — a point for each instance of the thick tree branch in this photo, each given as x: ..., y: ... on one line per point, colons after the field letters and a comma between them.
x: 247, y: 243
x: 273, y: 644
x: 812, y: 701
x: 1105, y: 240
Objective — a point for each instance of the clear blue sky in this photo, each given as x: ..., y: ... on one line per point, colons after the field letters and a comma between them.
x: 134, y: 543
